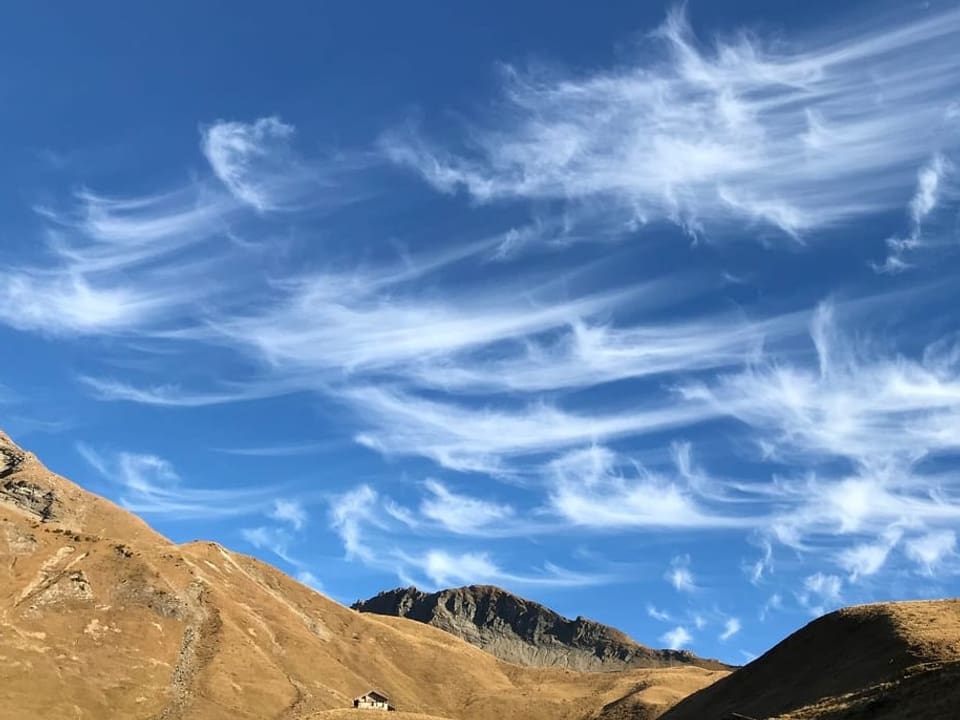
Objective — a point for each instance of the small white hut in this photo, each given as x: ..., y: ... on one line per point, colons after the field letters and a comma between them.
x: 372, y: 700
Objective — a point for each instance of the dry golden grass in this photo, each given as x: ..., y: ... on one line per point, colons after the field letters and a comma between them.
x: 352, y: 714
x: 880, y: 661
x: 100, y: 617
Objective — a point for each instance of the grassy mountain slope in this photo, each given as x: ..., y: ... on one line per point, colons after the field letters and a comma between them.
x: 101, y: 617
x: 888, y: 660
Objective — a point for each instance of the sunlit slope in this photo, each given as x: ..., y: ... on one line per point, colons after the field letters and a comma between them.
x: 888, y: 660
x: 100, y: 617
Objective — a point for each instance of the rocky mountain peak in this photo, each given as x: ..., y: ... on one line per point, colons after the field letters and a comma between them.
x: 523, y: 631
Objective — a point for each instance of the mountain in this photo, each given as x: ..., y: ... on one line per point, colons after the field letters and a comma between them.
x: 524, y: 632
x: 101, y: 617
x: 885, y: 661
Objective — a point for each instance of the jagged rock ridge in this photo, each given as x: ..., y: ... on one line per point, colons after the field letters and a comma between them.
x: 524, y: 632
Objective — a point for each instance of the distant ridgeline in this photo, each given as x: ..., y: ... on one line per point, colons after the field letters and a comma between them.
x: 525, y: 632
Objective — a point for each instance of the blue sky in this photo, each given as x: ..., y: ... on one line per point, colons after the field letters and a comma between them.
x: 647, y: 313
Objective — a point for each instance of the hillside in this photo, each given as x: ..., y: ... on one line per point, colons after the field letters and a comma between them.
x: 877, y: 662
x: 101, y: 617
x: 525, y: 632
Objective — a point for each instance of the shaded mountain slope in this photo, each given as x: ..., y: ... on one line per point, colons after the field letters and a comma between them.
x: 870, y: 661
x: 525, y: 632
x: 101, y: 617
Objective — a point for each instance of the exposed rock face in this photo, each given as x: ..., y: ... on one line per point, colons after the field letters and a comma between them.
x: 524, y: 632
x: 29, y: 496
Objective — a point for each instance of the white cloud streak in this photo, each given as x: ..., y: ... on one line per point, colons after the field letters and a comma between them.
x: 676, y: 639
x: 310, y: 580
x: 928, y: 187
x: 593, y: 487
x: 363, y: 520
x: 465, y: 438
x: 290, y: 512
x: 882, y: 416
x: 868, y: 559
x: 820, y: 591
x: 349, y: 514
x: 930, y: 550
x: 930, y: 179
x: 460, y: 513
x: 797, y: 135
x: 445, y: 569
x: 657, y: 614
x: 117, y: 265
x: 150, y: 485
x: 730, y: 628
x: 680, y: 576
x: 255, y: 162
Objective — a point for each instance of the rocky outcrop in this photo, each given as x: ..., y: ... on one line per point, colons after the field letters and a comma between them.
x: 28, y: 496
x: 524, y: 632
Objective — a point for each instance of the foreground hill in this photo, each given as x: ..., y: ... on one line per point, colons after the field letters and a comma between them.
x: 101, y: 617
x: 524, y: 632
x: 886, y: 661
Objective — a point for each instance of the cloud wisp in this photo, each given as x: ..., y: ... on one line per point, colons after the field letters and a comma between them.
x: 367, y: 522
x: 928, y: 194
x: 118, y: 265
x: 257, y: 163
x: 797, y: 136
x: 883, y: 417
x: 677, y: 639
x: 595, y: 488
x: 150, y: 485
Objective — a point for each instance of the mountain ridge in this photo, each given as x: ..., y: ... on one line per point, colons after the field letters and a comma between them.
x: 525, y: 632
x: 100, y: 616
x: 881, y: 661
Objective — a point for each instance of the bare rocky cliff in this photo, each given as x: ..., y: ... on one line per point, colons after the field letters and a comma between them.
x: 525, y: 632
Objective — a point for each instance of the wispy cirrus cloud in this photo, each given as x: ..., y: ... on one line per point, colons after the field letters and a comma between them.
x: 461, y: 514
x: 869, y: 558
x: 463, y: 437
x: 932, y: 549
x: 176, y: 395
x: 680, y: 576
x: 150, y: 485
x: 658, y: 614
x: 442, y: 569
x: 882, y: 415
x: 590, y: 352
x: 289, y: 511
x: 284, y: 537
x: 930, y: 180
x: 350, y: 514
x: 116, y: 265
x: 348, y: 322
x: 821, y: 591
x: 366, y: 522
x: 593, y: 487
x: 797, y: 135
x: 731, y: 627
x: 256, y: 162
x: 677, y: 639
